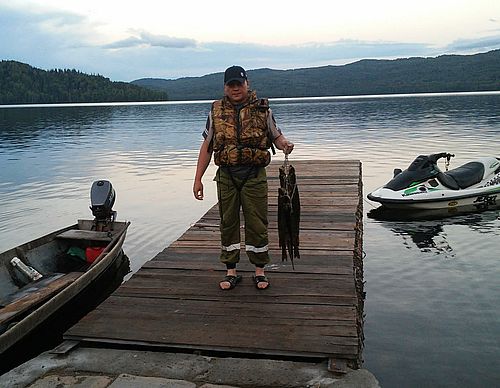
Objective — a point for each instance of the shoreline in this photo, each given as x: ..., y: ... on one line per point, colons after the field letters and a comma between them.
x: 278, y: 99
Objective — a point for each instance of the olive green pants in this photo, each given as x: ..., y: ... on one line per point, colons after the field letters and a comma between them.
x: 252, y: 199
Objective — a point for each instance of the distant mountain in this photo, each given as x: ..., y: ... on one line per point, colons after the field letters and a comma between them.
x: 23, y: 84
x: 446, y: 73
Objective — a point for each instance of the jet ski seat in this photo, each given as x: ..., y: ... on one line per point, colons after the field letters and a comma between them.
x: 448, y: 181
x: 464, y: 176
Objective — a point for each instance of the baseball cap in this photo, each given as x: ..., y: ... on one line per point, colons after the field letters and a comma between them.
x: 235, y: 73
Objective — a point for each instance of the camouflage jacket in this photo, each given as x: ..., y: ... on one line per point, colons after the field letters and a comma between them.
x: 241, y: 136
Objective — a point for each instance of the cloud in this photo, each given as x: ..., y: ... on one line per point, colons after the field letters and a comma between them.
x: 22, y: 30
x: 484, y: 43
x: 65, y: 40
x: 133, y: 41
x: 60, y: 19
x: 145, y: 38
x: 39, y: 38
x: 167, y: 41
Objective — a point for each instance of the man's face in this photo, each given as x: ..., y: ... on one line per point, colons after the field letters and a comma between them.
x: 237, y: 92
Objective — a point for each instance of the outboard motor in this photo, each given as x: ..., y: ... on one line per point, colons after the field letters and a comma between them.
x: 102, y: 199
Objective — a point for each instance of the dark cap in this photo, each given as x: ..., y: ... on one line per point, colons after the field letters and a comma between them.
x: 235, y: 73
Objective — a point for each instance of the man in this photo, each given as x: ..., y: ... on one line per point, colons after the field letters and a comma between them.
x: 240, y: 129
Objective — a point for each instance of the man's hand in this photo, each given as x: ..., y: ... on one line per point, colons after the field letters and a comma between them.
x: 201, y: 166
x: 282, y: 143
x: 198, y: 190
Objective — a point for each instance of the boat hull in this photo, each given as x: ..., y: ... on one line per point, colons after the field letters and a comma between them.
x: 13, y: 338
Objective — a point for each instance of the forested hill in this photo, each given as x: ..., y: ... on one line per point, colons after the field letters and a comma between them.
x: 446, y: 73
x: 23, y: 84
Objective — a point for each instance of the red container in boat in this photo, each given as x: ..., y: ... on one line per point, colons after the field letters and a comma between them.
x: 91, y: 253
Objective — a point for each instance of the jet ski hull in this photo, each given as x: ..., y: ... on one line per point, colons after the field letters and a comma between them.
x: 481, y: 199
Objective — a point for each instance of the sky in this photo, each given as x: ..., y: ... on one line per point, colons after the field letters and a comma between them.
x: 126, y: 40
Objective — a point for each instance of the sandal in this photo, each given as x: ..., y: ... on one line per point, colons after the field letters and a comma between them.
x: 232, y: 280
x: 261, y: 279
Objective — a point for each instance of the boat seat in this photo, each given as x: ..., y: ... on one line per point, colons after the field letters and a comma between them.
x: 467, y: 175
x: 34, y: 294
x: 77, y: 234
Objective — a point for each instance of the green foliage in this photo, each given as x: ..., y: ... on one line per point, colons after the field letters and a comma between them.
x: 447, y: 73
x: 23, y: 84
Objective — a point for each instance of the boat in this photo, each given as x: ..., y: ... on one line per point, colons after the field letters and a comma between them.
x: 41, y: 278
x: 424, y: 186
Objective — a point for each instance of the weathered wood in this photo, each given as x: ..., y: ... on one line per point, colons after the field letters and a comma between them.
x: 75, y: 234
x: 174, y: 300
x: 231, y: 331
x: 36, y: 296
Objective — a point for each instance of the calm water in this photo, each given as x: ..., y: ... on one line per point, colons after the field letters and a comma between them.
x: 432, y: 286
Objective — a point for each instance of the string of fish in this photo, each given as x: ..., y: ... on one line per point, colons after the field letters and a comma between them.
x: 288, y: 212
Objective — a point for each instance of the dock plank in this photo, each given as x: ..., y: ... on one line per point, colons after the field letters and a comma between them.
x: 316, y: 310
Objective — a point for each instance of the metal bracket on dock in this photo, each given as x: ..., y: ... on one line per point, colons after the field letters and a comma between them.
x: 337, y: 365
x: 65, y: 347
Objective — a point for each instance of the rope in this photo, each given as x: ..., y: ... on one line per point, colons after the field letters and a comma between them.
x: 287, y: 184
x: 286, y: 170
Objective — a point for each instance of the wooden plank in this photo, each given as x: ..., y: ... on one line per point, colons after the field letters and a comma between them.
x: 196, y: 308
x: 314, y: 238
x: 199, y: 264
x: 275, y: 252
x: 76, y: 234
x: 207, y: 234
x: 35, y: 296
x: 206, y: 282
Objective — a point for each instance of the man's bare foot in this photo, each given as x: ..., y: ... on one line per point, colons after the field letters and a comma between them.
x: 228, y: 284
x: 261, y: 281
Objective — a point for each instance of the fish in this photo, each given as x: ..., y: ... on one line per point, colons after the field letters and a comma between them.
x: 288, y: 214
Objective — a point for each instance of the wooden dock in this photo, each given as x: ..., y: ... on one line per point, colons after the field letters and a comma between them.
x: 174, y: 302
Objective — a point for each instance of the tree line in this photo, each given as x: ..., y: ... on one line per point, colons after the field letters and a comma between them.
x: 445, y: 73
x: 21, y: 83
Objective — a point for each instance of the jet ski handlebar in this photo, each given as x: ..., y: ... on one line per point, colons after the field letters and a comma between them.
x: 435, y: 157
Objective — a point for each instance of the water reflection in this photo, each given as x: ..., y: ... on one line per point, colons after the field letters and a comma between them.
x: 383, y: 213
x: 427, y: 230
x: 26, y: 127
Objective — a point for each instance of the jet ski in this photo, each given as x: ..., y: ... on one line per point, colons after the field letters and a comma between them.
x: 424, y: 186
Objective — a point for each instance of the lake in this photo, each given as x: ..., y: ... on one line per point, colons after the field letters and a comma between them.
x: 432, y: 287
